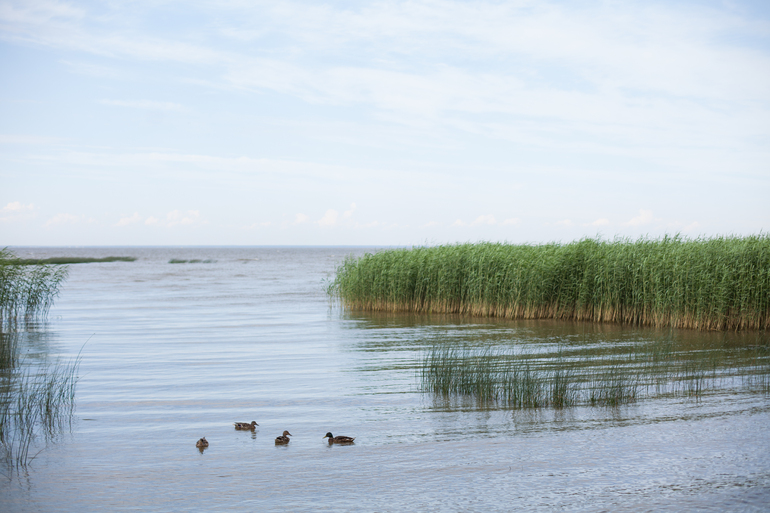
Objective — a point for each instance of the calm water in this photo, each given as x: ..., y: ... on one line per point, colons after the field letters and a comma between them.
x: 173, y: 352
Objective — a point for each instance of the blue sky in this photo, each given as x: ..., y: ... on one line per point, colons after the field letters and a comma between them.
x: 384, y: 123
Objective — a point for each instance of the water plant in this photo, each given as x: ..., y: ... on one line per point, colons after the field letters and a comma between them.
x: 720, y: 283
x: 758, y: 376
x: 608, y: 377
x: 496, y: 376
x: 615, y: 386
x: 37, y: 400
x: 563, y: 390
x: 26, y: 292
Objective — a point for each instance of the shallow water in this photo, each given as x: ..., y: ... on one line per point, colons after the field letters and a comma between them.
x: 173, y: 352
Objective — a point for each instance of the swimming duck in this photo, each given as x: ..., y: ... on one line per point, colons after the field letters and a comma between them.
x: 245, y: 426
x: 202, y: 443
x: 339, y: 439
x: 283, y: 439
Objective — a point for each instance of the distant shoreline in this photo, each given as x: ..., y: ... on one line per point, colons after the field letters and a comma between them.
x: 67, y: 260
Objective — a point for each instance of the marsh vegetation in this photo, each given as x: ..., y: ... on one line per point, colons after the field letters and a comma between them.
x: 26, y: 292
x: 708, y: 284
x: 37, y: 397
x: 598, y: 376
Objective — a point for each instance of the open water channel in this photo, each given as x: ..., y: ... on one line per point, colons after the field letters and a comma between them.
x: 174, y: 352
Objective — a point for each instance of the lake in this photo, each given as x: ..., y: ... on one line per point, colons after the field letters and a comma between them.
x: 172, y: 352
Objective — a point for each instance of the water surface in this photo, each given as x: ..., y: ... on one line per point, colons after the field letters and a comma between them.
x: 173, y: 352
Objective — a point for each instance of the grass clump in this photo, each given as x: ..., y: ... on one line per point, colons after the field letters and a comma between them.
x: 613, y: 387
x: 36, y: 401
x: 496, y: 377
x: 708, y: 284
x: 609, y: 377
x: 26, y: 292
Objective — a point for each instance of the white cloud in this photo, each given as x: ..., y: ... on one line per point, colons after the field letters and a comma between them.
x: 17, y: 207
x: 329, y: 218
x: 63, y: 218
x: 125, y: 221
x: 625, y: 72
x: 175, y: 217
x: 348, y: 213
x: 644, y: 218
x: 624, y: 68
x: 333, y: 218
x: 15, y: 211
x: 669, y: 87
x: 172, y: 219
x: 431, y: 224
x: 565, y: 222
x: 692, y: 227
x: 485, y: 219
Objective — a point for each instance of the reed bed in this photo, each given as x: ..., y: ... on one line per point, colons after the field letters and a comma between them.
x: 719, y: 283
x: 37, y: 401
x: 620, y: 376
x: 492, y: 376
x: 26, y: 292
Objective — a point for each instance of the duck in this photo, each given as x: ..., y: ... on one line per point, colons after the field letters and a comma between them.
x: 245, y: 426
x: 338, y: 439
x: 283, y: 439
x: 202, y: 443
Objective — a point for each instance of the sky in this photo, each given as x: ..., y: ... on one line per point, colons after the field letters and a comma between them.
x: 236, y: 122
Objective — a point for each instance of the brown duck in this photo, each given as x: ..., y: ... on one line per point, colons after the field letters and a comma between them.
x: 338, y: 439
x: 245, y: 426
x: 202, y: 443
x: 283, y: 439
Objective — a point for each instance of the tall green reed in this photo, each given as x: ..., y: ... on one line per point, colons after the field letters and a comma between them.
x: 496, y: 377
x: 27, y: 292
x: 614, y: 386
x: 610, y: 377
x: 720, y: 283
x: 36, y: 401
